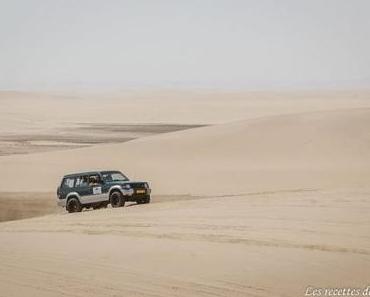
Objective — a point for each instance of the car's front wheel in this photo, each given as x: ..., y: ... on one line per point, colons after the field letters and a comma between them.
x: 117, y: 199
x: 73, y: 205
x: 144, y: 200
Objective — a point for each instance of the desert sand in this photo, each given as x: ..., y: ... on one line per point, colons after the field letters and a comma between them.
x: 266, y: 195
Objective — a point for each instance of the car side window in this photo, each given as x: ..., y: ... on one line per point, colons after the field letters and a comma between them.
x: 94, y: 180
x: 82, y: 181
x: 107, y: 177
x: 68, y: 182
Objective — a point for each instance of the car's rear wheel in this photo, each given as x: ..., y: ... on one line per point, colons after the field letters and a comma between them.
x: 73, y: 205
x: 117, y: 199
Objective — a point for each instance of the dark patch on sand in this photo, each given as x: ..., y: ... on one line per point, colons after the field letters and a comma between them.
x: 138, y: 128
x: 82, y: 135
x: 21, y: 205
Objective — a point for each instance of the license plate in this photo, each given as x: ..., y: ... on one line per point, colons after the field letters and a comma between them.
x: 140, y: 191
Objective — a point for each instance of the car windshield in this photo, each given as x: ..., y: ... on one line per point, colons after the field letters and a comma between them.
x: 114, y: 176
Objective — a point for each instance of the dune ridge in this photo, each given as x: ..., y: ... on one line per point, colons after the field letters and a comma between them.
x: 309, y: 150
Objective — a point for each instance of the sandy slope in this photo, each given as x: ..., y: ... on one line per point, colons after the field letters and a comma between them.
x: 272, y: 244
x: 310, y: 150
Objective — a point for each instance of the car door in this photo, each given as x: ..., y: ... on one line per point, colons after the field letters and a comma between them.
x: 97, y: 190
x: 83, y: 189
x: 105, y: 189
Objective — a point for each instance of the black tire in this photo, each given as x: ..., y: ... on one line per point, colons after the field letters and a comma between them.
x: 147, y: 199
x: 116, y: 199
x: 73, y: 205
x: 144, y: 200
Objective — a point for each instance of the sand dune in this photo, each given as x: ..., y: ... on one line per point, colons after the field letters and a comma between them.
x: 310, y: 150
x: 25, y: 113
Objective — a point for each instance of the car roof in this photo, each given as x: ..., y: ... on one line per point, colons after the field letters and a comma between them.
x: 90, y: 173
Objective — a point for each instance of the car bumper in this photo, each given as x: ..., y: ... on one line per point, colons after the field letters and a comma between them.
x: 138, y: 195
x: 132, y: 192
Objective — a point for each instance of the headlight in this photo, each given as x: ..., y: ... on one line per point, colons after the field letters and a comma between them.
x: 126, y: 187
x: 146, y: 185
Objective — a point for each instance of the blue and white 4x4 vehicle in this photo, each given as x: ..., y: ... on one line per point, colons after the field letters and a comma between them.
x: 97, y: 189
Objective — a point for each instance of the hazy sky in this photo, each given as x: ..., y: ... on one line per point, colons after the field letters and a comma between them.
x: 226, y: 44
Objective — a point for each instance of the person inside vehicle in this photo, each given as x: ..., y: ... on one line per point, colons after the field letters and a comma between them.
x: 93, y: 181
x: 83, y: 181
